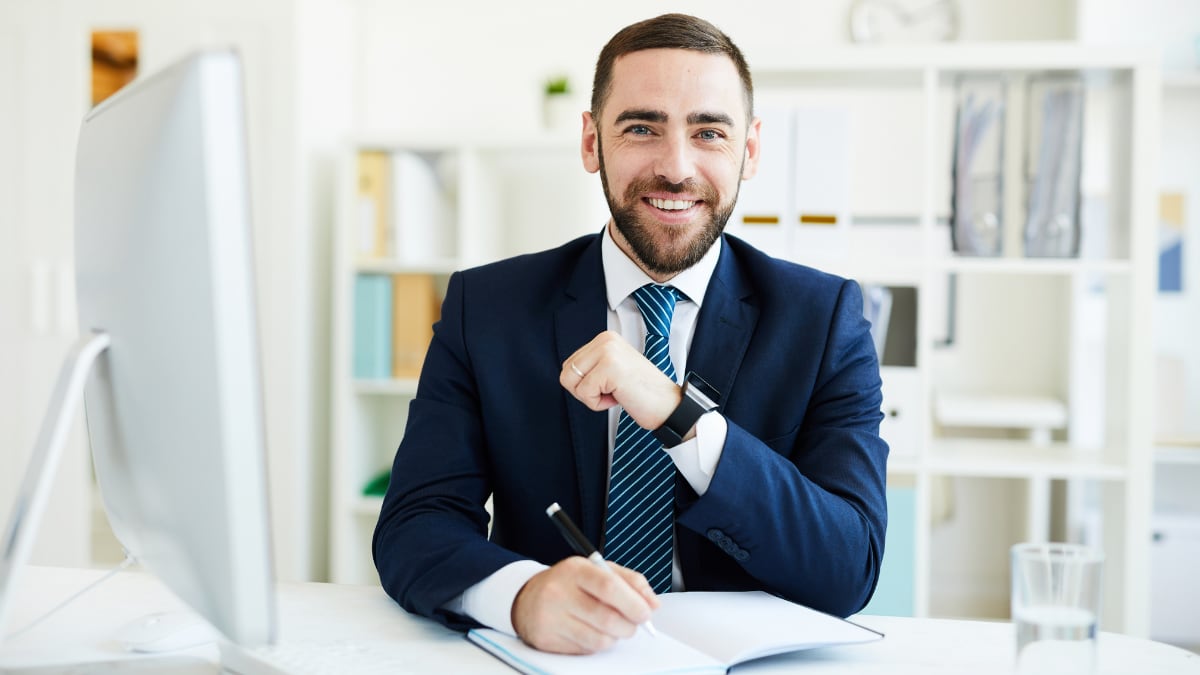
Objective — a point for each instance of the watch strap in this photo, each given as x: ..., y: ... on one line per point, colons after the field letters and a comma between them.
x: 698, y: 398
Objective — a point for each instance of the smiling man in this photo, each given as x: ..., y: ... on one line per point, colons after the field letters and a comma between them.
x: 708, y: 415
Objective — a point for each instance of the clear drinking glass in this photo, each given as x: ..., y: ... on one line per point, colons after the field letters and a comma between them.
x: 1056, y: 592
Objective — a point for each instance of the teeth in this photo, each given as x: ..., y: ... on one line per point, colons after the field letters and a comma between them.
x: 671, y: 204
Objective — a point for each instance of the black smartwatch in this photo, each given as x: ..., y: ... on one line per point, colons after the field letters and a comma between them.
x: 699, y: 397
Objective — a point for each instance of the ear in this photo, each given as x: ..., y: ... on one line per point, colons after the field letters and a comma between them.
x: 753, y: 148
x: 588, y: 147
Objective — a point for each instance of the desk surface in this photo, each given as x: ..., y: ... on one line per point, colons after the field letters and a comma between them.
x: 331, y: 614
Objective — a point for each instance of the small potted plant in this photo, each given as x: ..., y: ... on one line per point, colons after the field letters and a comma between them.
x: 559, y: 110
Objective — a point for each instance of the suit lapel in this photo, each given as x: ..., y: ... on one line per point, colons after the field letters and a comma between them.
x: 724, y: 326
x: 581, y: 317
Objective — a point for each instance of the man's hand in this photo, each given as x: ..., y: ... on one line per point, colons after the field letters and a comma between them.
x: 577, y: 608
x: 609, y: 371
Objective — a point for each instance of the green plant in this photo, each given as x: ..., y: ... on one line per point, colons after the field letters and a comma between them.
x: 558, y: 85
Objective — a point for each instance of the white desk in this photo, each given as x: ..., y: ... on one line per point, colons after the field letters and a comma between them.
x: 325, y: 613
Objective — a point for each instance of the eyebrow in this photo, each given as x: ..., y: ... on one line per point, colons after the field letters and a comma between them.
x: 710, y: 118
x: 642, y: 115
x: 660, y: 117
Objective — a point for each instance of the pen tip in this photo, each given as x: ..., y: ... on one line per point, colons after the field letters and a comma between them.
x: 552, y: 509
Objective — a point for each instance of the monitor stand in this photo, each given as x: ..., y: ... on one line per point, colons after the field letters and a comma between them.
x: 27, y: 510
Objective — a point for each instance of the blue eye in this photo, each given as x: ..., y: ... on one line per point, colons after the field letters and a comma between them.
x: 639, y: 130
x: 710, y: 135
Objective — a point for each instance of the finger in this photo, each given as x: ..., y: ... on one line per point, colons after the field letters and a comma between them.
x: 594, y: 625
x: 587, y: 382
x: 575, y: 635
x: 568, y: 618
x: 576, y: 367
x: 621, y: 595
x: 639, y: 584
x: 581, y: 635
x: 594, y: 585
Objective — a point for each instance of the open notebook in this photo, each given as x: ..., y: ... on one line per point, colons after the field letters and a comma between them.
x: 697, y: 633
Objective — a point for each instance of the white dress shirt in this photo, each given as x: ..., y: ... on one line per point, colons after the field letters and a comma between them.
x: 490, y: 601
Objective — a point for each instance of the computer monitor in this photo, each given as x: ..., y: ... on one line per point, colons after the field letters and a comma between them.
x: 165, y: 289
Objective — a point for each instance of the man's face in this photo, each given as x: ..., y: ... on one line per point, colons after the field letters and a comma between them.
x: 672, y: 145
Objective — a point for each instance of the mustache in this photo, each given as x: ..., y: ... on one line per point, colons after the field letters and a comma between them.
x: 706, y: 192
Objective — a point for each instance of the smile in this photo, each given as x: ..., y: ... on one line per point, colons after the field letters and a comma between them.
x: 671, y: 204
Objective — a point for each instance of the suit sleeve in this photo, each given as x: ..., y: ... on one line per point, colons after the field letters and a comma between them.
x: 431, y: 542
x: 805, y: 514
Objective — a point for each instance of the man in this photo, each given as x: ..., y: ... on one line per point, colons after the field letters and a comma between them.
x: 548, y: 380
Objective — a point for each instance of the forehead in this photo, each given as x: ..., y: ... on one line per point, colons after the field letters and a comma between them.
x: 675, y: 81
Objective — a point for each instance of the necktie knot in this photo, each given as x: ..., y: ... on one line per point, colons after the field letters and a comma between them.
x: 657, y: 305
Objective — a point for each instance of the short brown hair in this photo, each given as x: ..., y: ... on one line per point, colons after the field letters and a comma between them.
x: 669, y: 31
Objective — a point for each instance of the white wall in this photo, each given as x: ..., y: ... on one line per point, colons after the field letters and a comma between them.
x: 299, y: 78
x: 324, y: 71
x: 1173, y: 26
x: 478, y: 67
x: 1177, y: 315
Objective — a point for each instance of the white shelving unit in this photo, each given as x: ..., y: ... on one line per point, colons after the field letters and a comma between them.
x: 1019, y: 324
x: 1041, y: 327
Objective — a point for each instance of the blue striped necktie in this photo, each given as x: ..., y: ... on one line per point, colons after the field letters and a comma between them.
x: 639, y: 528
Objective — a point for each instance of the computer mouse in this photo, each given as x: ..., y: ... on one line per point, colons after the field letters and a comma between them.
x: 165, y: 632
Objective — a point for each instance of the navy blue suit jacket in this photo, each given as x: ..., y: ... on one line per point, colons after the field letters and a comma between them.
x: 796, y: 506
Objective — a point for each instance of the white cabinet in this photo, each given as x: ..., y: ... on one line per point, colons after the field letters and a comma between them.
x: 1075, y: 330
x: 1176, y: 544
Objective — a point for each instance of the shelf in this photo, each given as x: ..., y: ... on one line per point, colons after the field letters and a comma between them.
x: 1181, y: 80
x: 1047, y: 266
x: 902, y: 464
x: 444, y: 266
x: 991, y: 458
x: 1177, y: 450
x: 397, y: 387
x: 367, y: 507
x: 567, y: 140
x: 868, y: 270
x: 790, y: 60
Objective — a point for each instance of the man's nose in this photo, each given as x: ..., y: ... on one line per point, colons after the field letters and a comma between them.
x: 676, y: 164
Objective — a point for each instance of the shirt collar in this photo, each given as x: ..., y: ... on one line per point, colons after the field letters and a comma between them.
x: 622, y: 276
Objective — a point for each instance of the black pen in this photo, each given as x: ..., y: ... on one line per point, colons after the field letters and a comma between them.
x: 584, y: 547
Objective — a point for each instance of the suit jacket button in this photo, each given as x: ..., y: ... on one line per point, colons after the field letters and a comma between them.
x: 715, y: 535
x: 742, y: 555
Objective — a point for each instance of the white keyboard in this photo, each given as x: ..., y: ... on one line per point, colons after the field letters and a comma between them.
x: 319, y: 658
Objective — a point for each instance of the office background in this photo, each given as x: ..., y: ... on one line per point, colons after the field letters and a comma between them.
x: 322, y: 71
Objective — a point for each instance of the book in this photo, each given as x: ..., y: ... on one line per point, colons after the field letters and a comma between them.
x: 372, y: 326
x: 414, y: 310
x: 374, y: 185
x: 697, y: 633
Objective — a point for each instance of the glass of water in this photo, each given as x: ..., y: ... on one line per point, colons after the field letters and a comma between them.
x: 1055, y: 606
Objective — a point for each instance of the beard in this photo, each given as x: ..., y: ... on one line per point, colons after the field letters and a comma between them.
x: 678, y: 252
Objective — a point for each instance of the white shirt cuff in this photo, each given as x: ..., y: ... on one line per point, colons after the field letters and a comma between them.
x: 697, y: 459
x: 490, y: 601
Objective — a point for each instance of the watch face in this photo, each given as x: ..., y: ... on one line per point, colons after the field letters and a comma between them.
x: 700, y: 391
x: 896, y: 21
